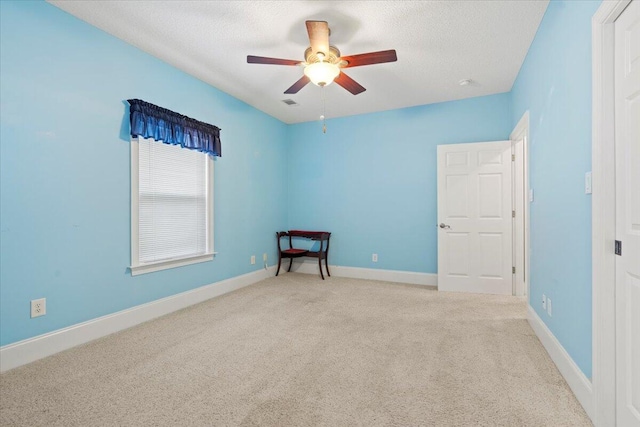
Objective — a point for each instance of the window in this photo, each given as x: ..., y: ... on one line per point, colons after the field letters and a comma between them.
x: 171, y: 206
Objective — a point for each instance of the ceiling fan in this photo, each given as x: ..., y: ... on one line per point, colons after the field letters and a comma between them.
x: 323, y: 63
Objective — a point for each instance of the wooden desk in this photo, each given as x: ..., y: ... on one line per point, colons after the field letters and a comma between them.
x: 291, y: 253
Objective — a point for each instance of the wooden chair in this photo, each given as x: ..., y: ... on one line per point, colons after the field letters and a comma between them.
x: 290, y: 253
x: 321, y: 253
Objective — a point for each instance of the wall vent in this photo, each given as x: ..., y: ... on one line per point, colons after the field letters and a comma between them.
x: 290, y: 102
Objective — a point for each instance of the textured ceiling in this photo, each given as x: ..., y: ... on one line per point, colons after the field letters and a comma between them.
x: 438, y: 43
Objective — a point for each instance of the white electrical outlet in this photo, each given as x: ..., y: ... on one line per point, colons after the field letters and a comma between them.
x: 544, y: 302
x: 264, y: 257
x: 549, y: 307
x: 253, y: 259
x: 38, y: 307
x: 374, y: 257
x: 531, y: 195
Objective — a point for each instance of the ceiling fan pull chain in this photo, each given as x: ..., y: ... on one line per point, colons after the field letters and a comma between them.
x: 324, y: 108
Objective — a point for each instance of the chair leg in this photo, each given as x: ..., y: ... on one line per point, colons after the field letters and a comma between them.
x: 279, y: 261
x: 320, y: 266
x: 290, y: 262
x: 326, y: 264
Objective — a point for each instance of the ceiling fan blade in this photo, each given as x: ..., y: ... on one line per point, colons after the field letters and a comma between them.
x: 298, y: 85
x: 370, y: 58
x: 318, y: 36
x: 275, y: 61
x: 349, y: 84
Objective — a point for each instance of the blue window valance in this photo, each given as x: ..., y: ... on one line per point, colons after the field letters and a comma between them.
x: 151, y: 121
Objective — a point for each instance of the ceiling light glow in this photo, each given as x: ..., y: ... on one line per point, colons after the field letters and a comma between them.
x: 321, y: 73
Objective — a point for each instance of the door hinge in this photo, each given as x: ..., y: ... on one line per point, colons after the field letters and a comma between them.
x: 513, y: 157
x: 618, y: 248
x: 513, y: 214
x: 513, y: 270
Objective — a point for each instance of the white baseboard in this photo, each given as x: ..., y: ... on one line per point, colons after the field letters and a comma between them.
x: 32, y: 349
x: 578, y: 382
x: 410, y: 277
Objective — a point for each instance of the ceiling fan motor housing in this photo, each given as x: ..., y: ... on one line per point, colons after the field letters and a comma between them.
x: 333, y: 57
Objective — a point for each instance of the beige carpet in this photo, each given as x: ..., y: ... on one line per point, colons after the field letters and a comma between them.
x: 295, y: 350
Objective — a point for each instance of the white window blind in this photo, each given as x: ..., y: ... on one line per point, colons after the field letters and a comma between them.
x: 174, y: 217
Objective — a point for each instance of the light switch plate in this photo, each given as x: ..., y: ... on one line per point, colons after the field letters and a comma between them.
x: 531, y: 195
x: 587, y: 183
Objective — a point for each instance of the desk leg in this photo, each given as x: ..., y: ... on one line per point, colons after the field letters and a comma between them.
x: 326, y: 263
x: 279, y: 261
x: 326, y: 255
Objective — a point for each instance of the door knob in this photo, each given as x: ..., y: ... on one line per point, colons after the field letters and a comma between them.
x: 443, y: 225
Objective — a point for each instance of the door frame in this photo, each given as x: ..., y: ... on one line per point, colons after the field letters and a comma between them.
x: 603, y: 202
x: 522, y: 129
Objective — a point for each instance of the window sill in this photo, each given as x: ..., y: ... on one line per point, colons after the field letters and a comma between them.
x: 173, y: 263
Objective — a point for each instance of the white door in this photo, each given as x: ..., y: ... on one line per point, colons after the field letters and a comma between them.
x: 474, y: 218
x: 627, y: 84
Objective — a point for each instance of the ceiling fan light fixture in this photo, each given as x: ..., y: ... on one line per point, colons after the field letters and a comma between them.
x: 321, y: 73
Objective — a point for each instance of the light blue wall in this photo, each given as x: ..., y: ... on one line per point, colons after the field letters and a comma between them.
x: 371, y: 179
x: 554, y: 84
x: 65, y: 178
